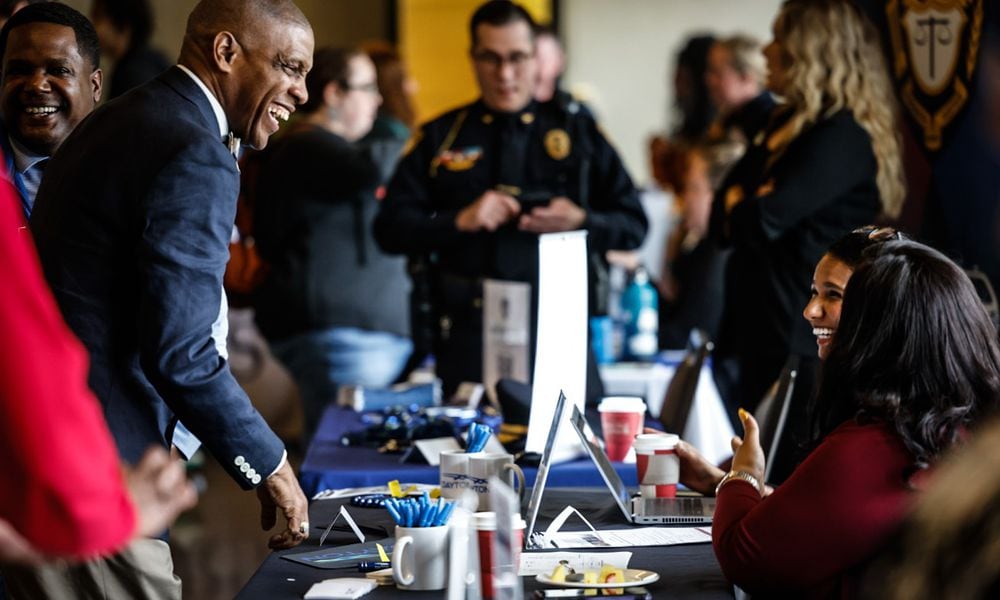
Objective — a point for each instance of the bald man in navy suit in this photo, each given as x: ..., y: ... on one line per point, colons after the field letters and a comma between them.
x: 132, y: 223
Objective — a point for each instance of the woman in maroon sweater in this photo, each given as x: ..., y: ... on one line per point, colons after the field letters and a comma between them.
x: 833, y: 271
x: 913, y: 364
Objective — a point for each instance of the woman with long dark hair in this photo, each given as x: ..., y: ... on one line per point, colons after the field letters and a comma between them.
x: 830, y: 279
x: 913, y: 366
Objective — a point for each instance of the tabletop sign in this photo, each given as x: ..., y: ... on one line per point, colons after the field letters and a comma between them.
x: 432, y: 448
x: 506, y: 328
x: 506, y: 504
x: 561, y: 351
x: 350, y: 522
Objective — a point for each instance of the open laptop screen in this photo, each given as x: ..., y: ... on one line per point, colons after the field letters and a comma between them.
x: 543, y: 471
x: 608, y: 473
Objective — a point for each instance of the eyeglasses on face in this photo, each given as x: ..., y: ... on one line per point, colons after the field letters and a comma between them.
x: 493, y: 60
x: 879, y: 234
x: 370, y: 87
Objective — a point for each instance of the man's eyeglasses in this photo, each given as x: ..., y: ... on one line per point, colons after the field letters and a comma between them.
x: 879, y: 234
x: 493, y: 60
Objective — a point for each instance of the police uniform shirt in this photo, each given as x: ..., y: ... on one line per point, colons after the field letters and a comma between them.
x: 540, y: 151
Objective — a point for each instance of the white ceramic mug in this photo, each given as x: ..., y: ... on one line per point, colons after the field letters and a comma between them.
x: 454, y: 473
x: 420, y: 558
x: 484, y: 465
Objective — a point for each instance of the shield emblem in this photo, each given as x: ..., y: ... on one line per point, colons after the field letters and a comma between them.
x: 935, y: 45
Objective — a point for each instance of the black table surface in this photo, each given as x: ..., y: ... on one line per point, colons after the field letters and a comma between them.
x: 687, y: 571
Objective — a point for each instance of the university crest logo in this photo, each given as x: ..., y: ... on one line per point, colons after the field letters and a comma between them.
x: 935, y: 44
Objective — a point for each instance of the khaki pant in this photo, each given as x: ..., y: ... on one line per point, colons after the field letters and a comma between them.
x: 144, y: 569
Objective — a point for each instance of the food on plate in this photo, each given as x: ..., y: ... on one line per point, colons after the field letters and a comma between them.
x: 565, y: 573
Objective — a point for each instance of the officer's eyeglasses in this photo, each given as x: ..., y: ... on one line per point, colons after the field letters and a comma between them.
x: 491, y: 59
x: 371, y: 87
x: 879, y: 234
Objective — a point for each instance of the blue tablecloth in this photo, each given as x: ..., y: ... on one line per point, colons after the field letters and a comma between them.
x: 330, y: 465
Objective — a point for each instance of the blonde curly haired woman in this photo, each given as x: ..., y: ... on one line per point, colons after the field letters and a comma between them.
x: 828, y: 162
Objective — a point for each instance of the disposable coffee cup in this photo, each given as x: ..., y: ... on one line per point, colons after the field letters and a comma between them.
x: 621, y: 421
x: 485, y: 524
x: 657, y: 463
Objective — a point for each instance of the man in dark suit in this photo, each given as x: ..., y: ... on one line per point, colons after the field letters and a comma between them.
x: 132, y: 223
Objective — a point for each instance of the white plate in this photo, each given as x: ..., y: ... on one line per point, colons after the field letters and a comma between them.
x: 633, y: 578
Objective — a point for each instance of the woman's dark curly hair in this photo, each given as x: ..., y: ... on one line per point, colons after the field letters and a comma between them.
x: 914, y: 349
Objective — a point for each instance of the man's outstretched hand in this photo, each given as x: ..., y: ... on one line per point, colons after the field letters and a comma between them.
x: 281, y: 491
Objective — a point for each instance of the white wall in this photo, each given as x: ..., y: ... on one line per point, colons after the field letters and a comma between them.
x: 621, y: 55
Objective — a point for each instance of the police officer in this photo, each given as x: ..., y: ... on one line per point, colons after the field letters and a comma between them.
x: 482, y: 181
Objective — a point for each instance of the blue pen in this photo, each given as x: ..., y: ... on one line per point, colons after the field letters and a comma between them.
x: 446, y: 513
x: 369, y: 566
x: 484, y: 435
x: 431, y: 517
x: 405, y: 511
x: 470, y: 439
x: 394, y: 514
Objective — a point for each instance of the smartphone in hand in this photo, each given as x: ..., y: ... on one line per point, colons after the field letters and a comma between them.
x: 532, y: 199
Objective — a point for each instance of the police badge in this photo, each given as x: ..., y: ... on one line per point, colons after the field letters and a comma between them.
x: 935, y: 44
x: 557, y: 143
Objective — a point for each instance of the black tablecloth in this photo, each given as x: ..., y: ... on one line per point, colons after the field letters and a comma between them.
x: 688, y: 571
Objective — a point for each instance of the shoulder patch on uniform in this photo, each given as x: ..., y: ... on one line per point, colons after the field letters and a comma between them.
x: 459, y: 159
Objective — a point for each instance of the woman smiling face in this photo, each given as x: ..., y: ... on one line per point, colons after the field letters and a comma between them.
x: 827, y: 294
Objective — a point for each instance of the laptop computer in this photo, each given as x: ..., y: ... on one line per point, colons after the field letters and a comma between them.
x: 531, y: 540
x: 682, y: 510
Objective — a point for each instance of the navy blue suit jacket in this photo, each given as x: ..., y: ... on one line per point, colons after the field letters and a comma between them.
x: 132, y: 223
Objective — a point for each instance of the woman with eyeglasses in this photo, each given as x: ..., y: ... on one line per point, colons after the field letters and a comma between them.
x: 828, y: 162
x: 913, y: 366
x: 333, y: 306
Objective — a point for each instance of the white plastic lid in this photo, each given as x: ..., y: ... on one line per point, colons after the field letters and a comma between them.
x: 655, y: 441
x: 487, y: 521
x: 622, y: 404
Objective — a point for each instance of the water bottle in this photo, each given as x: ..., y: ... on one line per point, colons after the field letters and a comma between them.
x: 641, y: 317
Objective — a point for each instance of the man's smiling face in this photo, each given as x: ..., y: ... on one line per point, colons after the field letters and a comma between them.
x: 48, y: 87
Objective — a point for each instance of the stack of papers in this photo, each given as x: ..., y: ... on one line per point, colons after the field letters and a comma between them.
x: 345, y: 588
x: 624, y: 538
